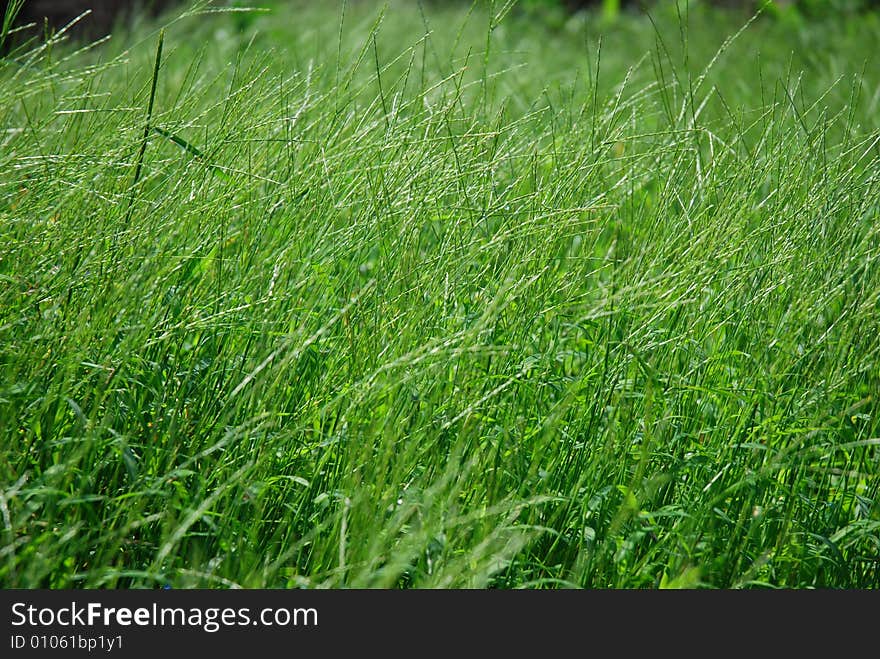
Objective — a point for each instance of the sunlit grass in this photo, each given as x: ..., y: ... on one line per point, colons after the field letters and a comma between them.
x: 431, y: 297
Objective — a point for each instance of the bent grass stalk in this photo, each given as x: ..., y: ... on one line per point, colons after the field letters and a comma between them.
x: 139, y: 161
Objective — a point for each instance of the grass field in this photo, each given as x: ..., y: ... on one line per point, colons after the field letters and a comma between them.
x: 343, y: 296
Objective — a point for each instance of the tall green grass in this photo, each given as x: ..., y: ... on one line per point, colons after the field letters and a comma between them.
x: 342, y: 295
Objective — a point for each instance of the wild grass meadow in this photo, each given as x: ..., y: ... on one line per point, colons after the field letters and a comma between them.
x: 352, y: 294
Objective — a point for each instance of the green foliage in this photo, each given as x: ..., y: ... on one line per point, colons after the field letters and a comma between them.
x: 12, y: 8
x: 610, y: 9
x: 815, y: 8
x: 440, y: 296
x: 822, y: 8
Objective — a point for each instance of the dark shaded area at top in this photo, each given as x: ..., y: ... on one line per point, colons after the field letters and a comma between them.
x: 105, y: 14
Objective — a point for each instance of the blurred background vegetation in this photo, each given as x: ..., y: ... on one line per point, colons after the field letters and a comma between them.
x: 105, y: 15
